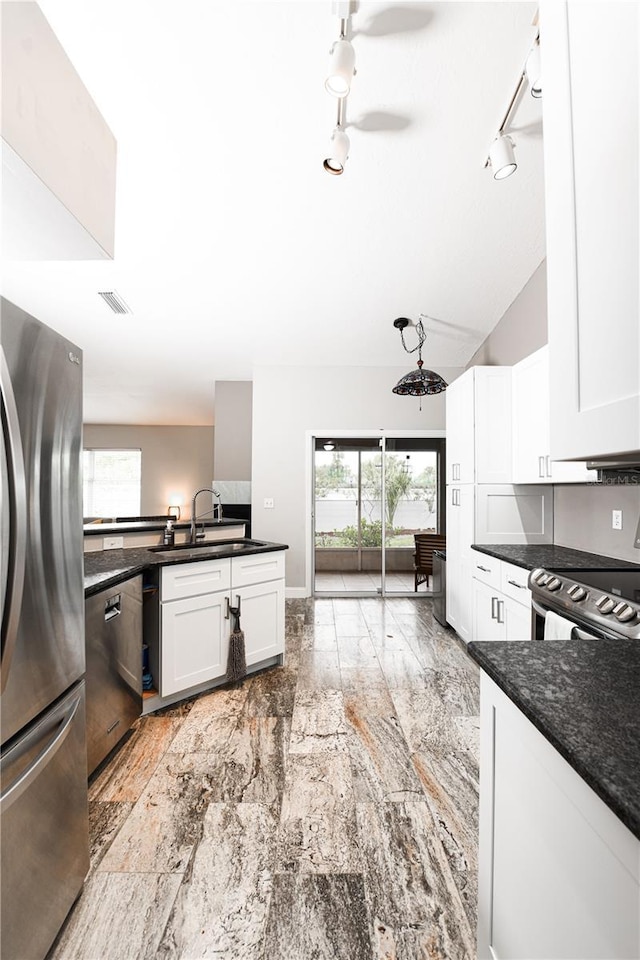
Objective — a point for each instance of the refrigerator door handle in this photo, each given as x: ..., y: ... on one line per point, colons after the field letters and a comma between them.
x: 17, y: 517
x: 27, y: 777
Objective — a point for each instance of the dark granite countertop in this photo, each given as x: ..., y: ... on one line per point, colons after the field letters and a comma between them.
x: 582, y: 695
x: 551, y: 557
x: 106, y: 568
x: 143, y: 526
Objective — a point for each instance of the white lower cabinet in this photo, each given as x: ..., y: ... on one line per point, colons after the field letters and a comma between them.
x: 559, y: 873
x: 195, y: 622
x: 499, y: 613
x: 261, y: 619
x: 195, y: 641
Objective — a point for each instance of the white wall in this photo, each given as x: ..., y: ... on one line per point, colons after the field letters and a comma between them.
x: 56, y: 131
x: 232, y: 450
x: 523, y: 327
x: 174, y: 460
x: 288, y: 402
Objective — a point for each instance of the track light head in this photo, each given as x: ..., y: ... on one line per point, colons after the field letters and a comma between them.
x: 339, y: 151
x: 532, y: 70
x: 342, y: 63
x: 502, y: 158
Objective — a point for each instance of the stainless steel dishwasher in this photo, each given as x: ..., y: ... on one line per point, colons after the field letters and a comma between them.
x: 113, y: 633
x: 440, y: 586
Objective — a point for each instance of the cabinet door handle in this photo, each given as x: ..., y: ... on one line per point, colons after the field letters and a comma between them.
x: 226, y: 608
x: 520, y: 586
x: 548, y: 463
x: 494, y: 603
x: 500, y: 604
x: 238, y: 603
x: 541, y: 467
x: 484, y: 569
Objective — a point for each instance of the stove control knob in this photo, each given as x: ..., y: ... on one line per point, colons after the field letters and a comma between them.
x: 539, y: 577
x: 553, y: 584
x: 624, y: 612
x: 577, y: 593
x: 605, y: 604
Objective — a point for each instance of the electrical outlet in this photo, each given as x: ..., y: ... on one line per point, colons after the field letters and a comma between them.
x: 268, y: 503
x: 112, y: 543
x: 616, y: 519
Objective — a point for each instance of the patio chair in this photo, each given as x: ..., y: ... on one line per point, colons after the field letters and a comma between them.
x: 426, y: 543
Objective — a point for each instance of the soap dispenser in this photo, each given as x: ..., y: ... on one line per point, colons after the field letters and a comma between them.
x: 168, y: 538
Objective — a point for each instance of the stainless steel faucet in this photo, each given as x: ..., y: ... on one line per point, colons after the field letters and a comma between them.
x: 193, y: 535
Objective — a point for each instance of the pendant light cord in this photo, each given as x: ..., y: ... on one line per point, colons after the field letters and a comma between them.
x: 421, y: 339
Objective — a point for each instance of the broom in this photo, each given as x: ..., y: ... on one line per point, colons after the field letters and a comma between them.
x: 236, y: 661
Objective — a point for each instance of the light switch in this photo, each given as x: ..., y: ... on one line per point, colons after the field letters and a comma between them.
x: 268, y: 503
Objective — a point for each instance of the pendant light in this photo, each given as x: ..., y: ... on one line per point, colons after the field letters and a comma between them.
x: 417, y: 383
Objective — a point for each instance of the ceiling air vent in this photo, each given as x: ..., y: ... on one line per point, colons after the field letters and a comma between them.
x: 113, y: 299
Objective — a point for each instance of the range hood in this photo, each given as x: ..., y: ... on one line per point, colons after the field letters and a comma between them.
x: 622, y: 468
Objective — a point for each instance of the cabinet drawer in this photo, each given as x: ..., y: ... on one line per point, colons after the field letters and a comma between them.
x: 514, y: 583
x: 486, y: 569
x: 257, y: 568
x: 193, y: 579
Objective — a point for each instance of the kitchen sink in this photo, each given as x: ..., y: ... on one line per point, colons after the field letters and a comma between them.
x: 209, y: 547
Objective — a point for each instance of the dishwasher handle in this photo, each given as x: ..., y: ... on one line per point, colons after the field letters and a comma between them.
x: 112, y: 607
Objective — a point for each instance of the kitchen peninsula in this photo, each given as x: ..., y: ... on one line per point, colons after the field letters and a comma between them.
x: 148, y: 533
x: 187, y: 598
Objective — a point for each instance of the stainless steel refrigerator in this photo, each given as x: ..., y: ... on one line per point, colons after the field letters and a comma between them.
x: 43, y: 767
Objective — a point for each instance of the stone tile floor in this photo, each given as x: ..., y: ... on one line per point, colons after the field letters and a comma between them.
x: 324, y: 810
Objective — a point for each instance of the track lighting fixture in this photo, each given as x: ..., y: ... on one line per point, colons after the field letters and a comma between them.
x: 532, y: 70
x: 338, y: 150
x: 501, y: 157
x: 342, y: 64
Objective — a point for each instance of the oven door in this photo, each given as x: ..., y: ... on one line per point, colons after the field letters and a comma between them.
x: 580, y: 629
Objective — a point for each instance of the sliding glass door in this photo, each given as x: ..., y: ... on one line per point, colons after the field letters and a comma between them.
x: 371, y: 497
x: 348, y: 522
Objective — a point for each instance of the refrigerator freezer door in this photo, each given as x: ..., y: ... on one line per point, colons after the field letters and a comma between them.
x: 45, y: 841
x: 46, y: 388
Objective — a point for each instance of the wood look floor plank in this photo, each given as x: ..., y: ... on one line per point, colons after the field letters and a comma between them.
x: 318, y: 831
x: 407, y: 878
x: 137, y: 759
x: 324, y: 809
x: 221, y: 907
x: 105, y: 819
x: 118, y: 917
x: 318, y: 918
x: 165, y: 824
x: 318, y: 724
x: 380, y: 760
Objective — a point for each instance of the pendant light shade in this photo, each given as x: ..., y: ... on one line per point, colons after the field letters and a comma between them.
x: 420, y: 383
x: 338, y: 152
x: 501, y: 157
x: 342, y: 62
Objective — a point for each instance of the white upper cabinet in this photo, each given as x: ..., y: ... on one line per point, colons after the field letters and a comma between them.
x: 532, y: 461
x: 590, y: 104
x: 479, y: 426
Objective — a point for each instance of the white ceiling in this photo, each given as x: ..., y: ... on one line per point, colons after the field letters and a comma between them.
x: 235, y: 248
